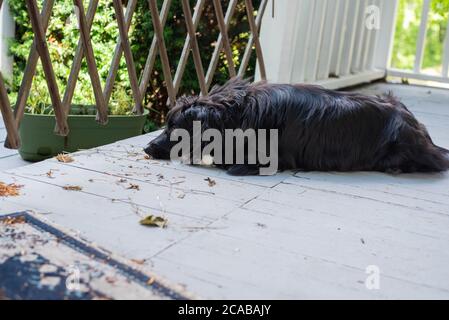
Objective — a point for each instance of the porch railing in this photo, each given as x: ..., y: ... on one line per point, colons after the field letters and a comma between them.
x: 417, y: 72
x: 334, y: 43
x: 39, y: 50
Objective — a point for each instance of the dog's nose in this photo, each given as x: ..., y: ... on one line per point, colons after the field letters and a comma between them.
x: 156, y: 152
x: 151, y: 150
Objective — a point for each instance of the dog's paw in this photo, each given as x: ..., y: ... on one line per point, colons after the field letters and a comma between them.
x: 243, y: 170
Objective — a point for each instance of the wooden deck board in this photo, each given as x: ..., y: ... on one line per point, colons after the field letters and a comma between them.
x: 293, y: 235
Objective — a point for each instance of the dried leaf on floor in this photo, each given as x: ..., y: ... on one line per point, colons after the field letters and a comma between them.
x: 147, y: 157
x: 9, y: 190
x: 65, y: 158
x: 14, y: 220
x: 72, y: 188
x: 151, y: 281
x: 154, y: 221
x: 138, y: 261
x: 210, y: 182
x: 133, y: 186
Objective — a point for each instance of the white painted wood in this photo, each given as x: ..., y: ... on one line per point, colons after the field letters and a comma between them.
x: 4, y: 152
x: 277, y: 40
x: 325, y: 42
x: 374, y: 43
x: 7, y: 29
x: 302, y: 41
x: 445, y: 70
x: 351, y: 80
x: 130, y: 150
x: 348, y: 49
x: 112, y: 224
x: 289, y: 57
x: 2, y: 133
x: 151, y: 195
x: 8, y: 158
x: 359, y: 37
x: 382, y: 56
x: 420, y: 44
x: 318, y: 20
x: 414, y: 75
x: 329, y: 35
x: 370, y: 37
x: 13, y: 161
x: 291, y: 236
x: 342, y: 16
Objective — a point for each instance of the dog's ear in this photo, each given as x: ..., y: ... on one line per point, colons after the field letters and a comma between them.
x: 209, y: 117
x: 231, y: 94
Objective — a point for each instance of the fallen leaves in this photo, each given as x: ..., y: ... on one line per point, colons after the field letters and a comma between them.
x: 138, y: 261
x: 133, y: 186
x: 14, y: 220
x: 72, y: 188
x: 49, y: 174
x: 154, y: 221
x: 65, y: 158
x: 210, y: 182
x: 9, y: 190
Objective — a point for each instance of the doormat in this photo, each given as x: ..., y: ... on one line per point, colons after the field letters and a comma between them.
x: 40, y: 262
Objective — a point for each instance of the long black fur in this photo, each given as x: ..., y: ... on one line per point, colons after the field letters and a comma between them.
x: 319, y: 129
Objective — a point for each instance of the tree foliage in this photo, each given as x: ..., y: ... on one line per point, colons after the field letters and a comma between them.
x: 407, y: 31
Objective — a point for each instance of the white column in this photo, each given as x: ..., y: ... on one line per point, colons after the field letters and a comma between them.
x: 384, y: 46
x: 6, y: 32
x: 277, y: 37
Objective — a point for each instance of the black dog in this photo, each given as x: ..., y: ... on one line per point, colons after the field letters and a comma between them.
x: 319, y: 129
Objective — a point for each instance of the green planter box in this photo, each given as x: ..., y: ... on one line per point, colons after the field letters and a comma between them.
x: 39, y: 142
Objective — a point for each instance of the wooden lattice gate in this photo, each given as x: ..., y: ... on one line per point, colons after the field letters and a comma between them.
x: 39, y: 49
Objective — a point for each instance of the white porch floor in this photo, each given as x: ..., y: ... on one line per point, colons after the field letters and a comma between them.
x: 293, y: 236
x: 8, y: 158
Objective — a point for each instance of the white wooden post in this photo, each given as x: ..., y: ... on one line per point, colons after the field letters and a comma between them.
x: 329, y: 35
x: 277, y: 37
x: 6, y: 33
x: 384, y: 48
x: 422, y: 36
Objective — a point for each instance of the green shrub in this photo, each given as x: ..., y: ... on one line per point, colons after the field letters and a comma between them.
x: 63, y: 35
x: 407, y: 31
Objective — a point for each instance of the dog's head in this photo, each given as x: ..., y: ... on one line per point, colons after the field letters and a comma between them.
x: 218, y: 110
x: 183, y: 116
